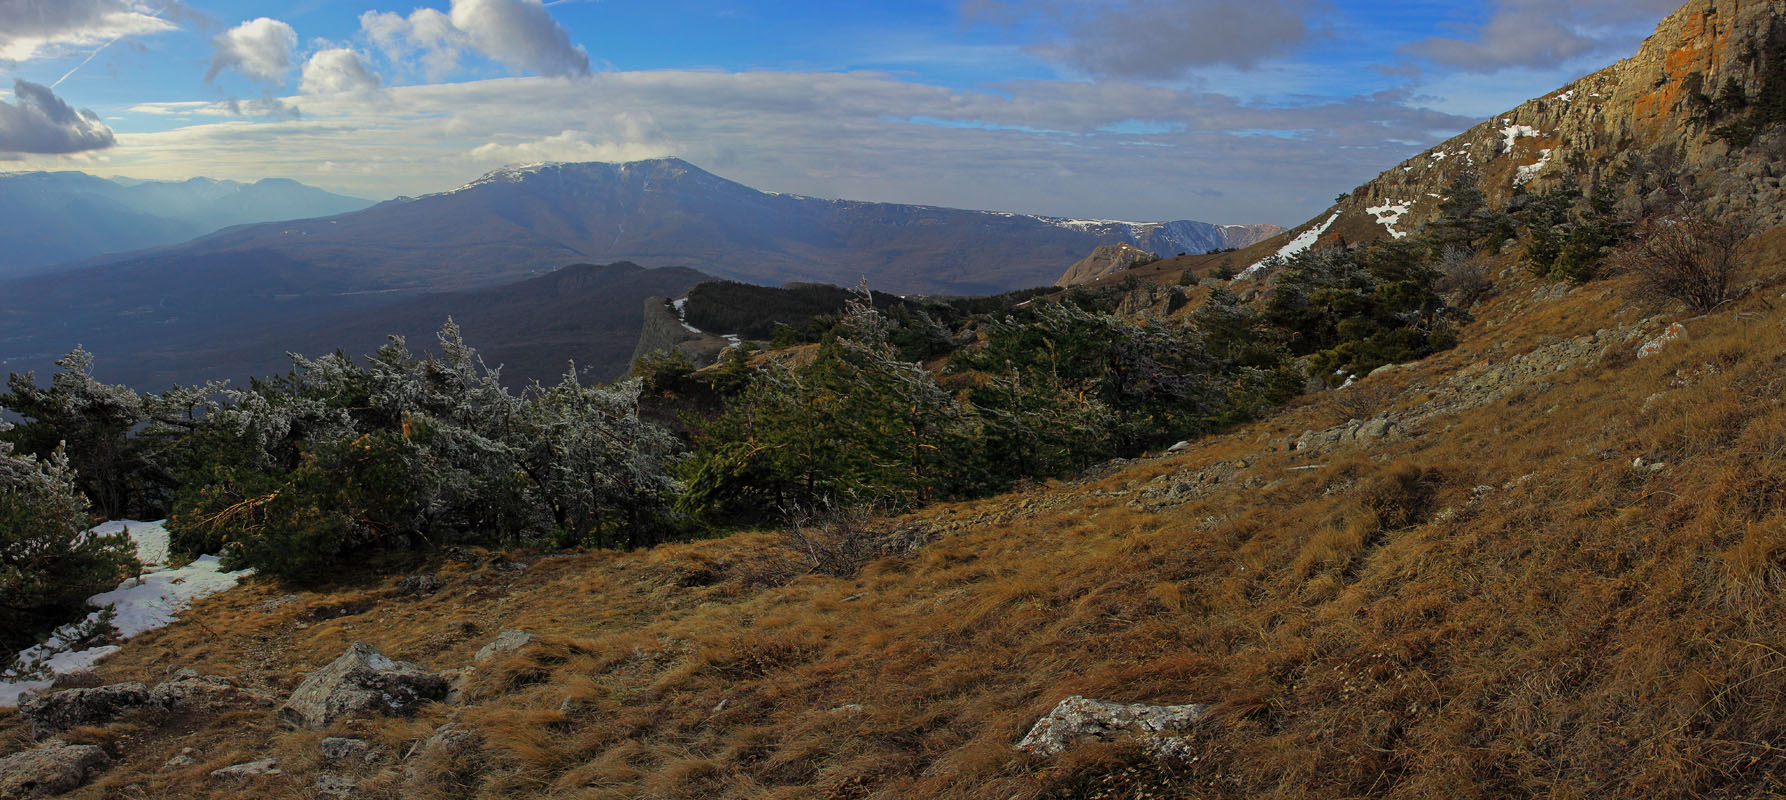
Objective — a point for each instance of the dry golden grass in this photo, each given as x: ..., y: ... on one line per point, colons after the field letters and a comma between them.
x: 1379, y: 626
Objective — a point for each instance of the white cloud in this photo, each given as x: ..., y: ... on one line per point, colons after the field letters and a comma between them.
x: 519, y: 34
x: 260, y: 49
x: 39, y: 122
x: 425, y: 33
x: 32, y: 29
x: 336, y: 70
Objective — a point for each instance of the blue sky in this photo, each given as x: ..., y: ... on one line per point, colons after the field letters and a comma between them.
x: 1220, y: 110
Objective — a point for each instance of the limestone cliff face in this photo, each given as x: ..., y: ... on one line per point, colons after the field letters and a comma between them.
x: 1626, y: 127
x: 1105, y: 261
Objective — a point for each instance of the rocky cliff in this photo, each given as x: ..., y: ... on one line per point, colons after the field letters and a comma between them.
x: 1104, y: 262
x: 1693, y: 114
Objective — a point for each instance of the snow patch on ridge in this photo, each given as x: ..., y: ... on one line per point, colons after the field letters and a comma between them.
x: 1303, y: 242
x: 1511, y: 134
x: 1525, y: 174
x: 1388, y: 214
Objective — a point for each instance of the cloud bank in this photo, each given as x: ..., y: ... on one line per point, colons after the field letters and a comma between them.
x: 33, y: 29
x: 41, y: 123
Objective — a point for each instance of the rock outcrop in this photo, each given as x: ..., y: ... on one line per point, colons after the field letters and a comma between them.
x: 59, y: 711
x: 1105, y: 261
x: 1642, y: 128
x: 1079, y: 719
x: 359, y: 683
x: 50, y: 769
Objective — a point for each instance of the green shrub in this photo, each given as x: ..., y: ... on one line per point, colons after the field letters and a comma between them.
x: 49, y: 564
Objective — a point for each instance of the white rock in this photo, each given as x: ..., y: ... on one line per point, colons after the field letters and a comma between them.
x: 1079, y: 719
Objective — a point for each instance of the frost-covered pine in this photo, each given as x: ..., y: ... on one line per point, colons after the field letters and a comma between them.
x: 49, y: 563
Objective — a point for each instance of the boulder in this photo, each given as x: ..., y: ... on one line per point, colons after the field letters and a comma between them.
x: 337, y: 750
x: 1079, y: 719
x: 50, y: 769
x: 1671, y: 334
x: 506, y: 642
x: 59, y: 711
x: 361, y: 682
x: 421, y: 584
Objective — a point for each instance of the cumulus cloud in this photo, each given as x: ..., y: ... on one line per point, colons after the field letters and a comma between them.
x: 569, y: 146
x: 1537, y: 33
x: 1159, y: 38
x: 336, y: 70
x: 260, y: 49
x: 41, y: 123
x: 519, y: 34
x: 426, y: 34
x: 31, y: 29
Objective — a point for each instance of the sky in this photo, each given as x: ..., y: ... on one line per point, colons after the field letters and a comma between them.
x: 1225, y: 111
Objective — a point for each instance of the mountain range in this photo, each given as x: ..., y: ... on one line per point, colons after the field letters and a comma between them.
x: 169, y: 311
x: 49, y: 218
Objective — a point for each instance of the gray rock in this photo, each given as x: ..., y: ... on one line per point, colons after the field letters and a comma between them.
x: 338, y: 749
x: 506, y: 642
x: 1078, y: 719
x: 50, y: 713
x: 361, y: 682
x: 335, y: 786
x: 190, y: 691
x: 264, y: 768
x: 50, y: 769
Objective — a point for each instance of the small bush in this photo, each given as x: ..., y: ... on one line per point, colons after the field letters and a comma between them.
x: 1690, y: 259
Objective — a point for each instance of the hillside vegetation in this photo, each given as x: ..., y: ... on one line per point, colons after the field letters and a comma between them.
x: 1497, y: 600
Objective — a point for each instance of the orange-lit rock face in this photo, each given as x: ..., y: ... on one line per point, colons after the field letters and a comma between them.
x: 1624, y: 112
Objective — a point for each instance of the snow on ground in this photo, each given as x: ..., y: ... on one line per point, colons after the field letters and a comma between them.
x: 1567, y: 96
x: 1526, y: 173
x: 680, y: 304
x: 1388, y: 214
x: 139, y: 605
x: 1511, y: 134
x: 1296, y: 245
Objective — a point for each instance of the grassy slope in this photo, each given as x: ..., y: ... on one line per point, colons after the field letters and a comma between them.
x: 1375, y: 626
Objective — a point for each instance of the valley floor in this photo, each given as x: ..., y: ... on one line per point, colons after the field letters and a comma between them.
x: 1468, y: 578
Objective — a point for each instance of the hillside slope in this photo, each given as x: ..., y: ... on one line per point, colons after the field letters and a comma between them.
x: 1545, y: 568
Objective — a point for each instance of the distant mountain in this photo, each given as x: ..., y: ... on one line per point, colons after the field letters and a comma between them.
x: 519, y: 220
x: 49, y: 218
x: 533, y: 329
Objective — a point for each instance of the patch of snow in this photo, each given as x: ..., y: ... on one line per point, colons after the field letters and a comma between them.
x: 1435, y: 196
x: 1296, y: 245
x: 1526, y: 173
x: 1388, y: 214
x: 1511, y: 134
x: 1566, y: 96
x: 139, y: 605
